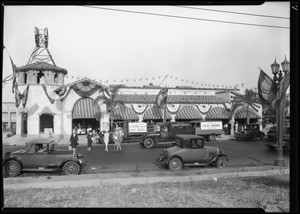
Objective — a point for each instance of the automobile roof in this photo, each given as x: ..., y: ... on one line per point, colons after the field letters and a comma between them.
x: 40, y: 140
x: 188, y: 136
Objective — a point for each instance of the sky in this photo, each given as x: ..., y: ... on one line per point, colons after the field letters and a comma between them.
x: 137, y: 49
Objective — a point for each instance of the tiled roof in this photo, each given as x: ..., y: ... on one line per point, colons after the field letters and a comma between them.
x: 123, y: 113
x: 188, y: 112
x: 218, y: 113
x: 179, y: 99
x: 155, y: 113
x: 242, y: 113
x: 42, y: 66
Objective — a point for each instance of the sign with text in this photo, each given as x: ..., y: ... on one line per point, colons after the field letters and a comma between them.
x: 211, y: 125
x: 137, y: 127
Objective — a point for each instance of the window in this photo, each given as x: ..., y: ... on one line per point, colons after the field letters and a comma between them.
x: 46, y: 123
x: 197, y: 144
x: 197, y: 124
x: 25, y: 78
x: 55, y: 78
x: 40, y: 77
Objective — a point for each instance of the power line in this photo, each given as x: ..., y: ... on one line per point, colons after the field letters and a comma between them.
x: 184, y: 17
x: 240, y: 13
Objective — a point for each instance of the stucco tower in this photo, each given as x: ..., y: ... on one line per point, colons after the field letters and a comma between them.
x: 37, y: 113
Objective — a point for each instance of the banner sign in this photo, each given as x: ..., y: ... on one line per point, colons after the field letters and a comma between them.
x: 211, y: 125
x: 137, y: 127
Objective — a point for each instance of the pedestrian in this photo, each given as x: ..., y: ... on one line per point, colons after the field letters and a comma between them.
x: 236, y: 126
x: 89, y: 140
x: 121, y: 134
x: 226, y: 129
x: 95, y: 137
x: 106, y: 139
x: 74, y: 141
x: 116, y: 138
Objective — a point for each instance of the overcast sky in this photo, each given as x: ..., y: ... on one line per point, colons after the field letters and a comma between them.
x: 122, y: 46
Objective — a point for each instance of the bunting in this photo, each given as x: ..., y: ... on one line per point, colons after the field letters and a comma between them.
x: 266, y: 89
x: 14, y: 67
x: 21, y: 97
x: 49, y: 98
x: 283, y: 86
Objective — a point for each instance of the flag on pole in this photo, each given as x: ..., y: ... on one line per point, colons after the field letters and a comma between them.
x: 161, y: 98
x: 283, y: 86
x: 14, y: 67
x: 266, y: 88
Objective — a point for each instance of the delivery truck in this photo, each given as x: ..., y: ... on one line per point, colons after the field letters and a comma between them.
x: 208, y: 129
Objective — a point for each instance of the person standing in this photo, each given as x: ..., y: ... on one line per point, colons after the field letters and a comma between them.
x: 106, y: 139
x: 89, y: 140
x: 74, y: 141
x: 226, y: 129
x: 116, y: 138
x: 121, y: 134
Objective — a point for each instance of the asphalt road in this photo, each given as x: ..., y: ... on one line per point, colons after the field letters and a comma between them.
x: 135, y: 157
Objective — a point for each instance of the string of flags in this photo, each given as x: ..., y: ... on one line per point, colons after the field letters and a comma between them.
x: 151, y: 79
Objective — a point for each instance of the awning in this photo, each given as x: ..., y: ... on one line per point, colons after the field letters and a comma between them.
x: 242, y: 113
x: 155, y: 113
x: 123, y: 113
x: 217, y: 113
x: 188, y: 112
x: 85, y: 109
x: 46, y: 110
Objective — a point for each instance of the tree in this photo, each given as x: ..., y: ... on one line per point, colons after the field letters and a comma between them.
x: 249, y: 99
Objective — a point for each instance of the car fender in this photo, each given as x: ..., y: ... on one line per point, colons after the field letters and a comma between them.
x: 69, y: 159
x: 15, y: 158
x: 217, y: 156
x: 174, y: 156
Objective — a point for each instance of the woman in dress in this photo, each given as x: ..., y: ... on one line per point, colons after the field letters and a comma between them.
x: 74, y: 141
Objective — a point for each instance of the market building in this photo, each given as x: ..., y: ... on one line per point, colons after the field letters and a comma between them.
x: 47, y: 107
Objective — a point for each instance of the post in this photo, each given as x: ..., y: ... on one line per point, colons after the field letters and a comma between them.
x: 164, y: 114
x: 279, y: 161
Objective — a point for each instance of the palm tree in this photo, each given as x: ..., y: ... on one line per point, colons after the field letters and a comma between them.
x: 249, y: 99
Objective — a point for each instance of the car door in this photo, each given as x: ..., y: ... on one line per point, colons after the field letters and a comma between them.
x: 198, y: 153
x: 40, y: 157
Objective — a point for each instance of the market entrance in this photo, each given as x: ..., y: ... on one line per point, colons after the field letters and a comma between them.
x: 85, y: 114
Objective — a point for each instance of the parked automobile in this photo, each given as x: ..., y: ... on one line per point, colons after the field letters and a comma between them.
x: 250, y: 131
x: 271, y: 139
x: 165, y: 133
x: 41, y: 155
x: 189, y: 150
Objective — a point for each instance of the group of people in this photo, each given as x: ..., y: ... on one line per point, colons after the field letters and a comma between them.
x: 93, y: 137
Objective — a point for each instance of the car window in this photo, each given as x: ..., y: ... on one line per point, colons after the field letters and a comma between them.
x: 197, y: 144
x: 178, y: 142
x: 40, y: 148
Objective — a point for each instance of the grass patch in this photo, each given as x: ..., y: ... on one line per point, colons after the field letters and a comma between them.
x: 250, y: 192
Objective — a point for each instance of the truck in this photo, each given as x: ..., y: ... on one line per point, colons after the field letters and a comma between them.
x: 165, y: 133
x: 208, y: 129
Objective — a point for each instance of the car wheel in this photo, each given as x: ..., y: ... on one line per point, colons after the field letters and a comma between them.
x: 71, y: 168
x: 175, y: 164
x: 211, y: 137
x: 148, y: 142
x: 221, y: 162
x: 12, y: 168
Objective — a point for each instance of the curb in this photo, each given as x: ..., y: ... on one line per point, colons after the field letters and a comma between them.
x: 137, y: 180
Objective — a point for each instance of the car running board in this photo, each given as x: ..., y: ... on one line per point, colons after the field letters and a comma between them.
x: 40, y: 170
x: 195, y: 164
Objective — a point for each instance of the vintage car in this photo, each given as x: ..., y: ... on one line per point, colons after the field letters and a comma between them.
x: 189, y: 150
x: 165, y: 133
x: 271, y: 139
x: 250, y: 131
x: 41, y: 155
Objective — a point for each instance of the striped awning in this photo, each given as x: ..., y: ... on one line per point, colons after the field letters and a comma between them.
x: 85, y: 109
x: 155, y: 113
x: 242, y: 113
x: 218, y: 113
x: 123, y: 113
x: 188, y: 112
x: 46, y: 110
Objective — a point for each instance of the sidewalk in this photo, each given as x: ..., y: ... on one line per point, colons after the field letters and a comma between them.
x: 91, y: 180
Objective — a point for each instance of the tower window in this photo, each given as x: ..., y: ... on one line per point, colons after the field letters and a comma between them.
x: 55, y: 77
x: 25, y: 78
x: 40, y: 76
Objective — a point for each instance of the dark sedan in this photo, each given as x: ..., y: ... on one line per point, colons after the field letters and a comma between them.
x: 41, y: 155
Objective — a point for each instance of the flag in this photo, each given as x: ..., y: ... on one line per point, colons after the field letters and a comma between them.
x: 14, y: 67
x: 21, y: 97
x: 161, y: 98
x: 266, y: 88
x: 283, y: 86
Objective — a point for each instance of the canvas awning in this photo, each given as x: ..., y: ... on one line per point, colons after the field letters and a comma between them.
x: 46, y: 110
x: 85, y: 109
x: 123, y: 113
x: 217, y: 113
x: 155, y: 113
x: 188, y: 112
x: 242, y: 113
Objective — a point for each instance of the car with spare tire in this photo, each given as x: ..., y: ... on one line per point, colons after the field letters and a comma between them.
x: 41, y: 155
x: 190, y: 150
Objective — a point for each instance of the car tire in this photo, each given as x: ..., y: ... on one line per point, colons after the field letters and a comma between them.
x: 71, y: 168
x: 175, y: 164
x: 148, y: 142
x: 221, y: 162
x: 13, y: 168
x: 211, y: 137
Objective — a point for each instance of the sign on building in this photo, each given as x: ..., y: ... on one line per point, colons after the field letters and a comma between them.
x: 137, y: 127
x: 211, y: 125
